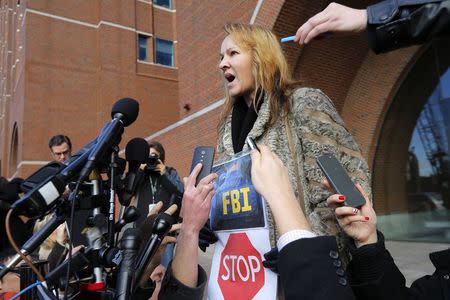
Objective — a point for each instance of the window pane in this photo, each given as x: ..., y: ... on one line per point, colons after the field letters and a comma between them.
x: 142, y: 47
x: 164, y: 52
x: 429, y: 167
x: 165, y: 3
x: 411, y: 169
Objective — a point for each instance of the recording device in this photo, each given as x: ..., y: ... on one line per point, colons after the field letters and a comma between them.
x: 131, y: 214
x: 50, y: 169
x: 251, y: 143
x: 161, y: 226
x: 44, y: 195
x: 205, y: 156
x: 33, y: 242
x: 136, y: 153
x: 129, y: 245
x: 339, y: 180
x: 124, y: 113
x: 152, y: 162
x: 42, y: 198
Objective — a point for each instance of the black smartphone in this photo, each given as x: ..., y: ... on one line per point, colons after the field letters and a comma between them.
x: 339, y: 180
x: 251, y: 143
x: 205, y: 156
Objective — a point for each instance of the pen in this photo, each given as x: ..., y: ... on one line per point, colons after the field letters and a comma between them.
x: 288, y: 39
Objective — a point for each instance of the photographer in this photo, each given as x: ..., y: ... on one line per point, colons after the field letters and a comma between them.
x: 160, y: 182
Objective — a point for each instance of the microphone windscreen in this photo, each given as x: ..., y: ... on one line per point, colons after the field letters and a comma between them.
x: 128, y: 107
x: 137, y: 150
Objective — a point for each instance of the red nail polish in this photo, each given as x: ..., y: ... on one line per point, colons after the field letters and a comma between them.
x: 341, y: 197
x: 366, y: 218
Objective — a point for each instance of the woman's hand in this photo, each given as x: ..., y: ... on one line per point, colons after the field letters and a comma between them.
x: 197, y: 200
x: 359, y: 224
x: 270, y: 178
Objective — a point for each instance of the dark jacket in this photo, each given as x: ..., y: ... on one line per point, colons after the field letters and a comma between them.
x: 167, y: 184
x: 393, y: 24
x: 172, y: 289
x: 310, y: 268
x: 374, y: 275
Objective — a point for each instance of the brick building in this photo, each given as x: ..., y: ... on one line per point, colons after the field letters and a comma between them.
x: 64, y: 65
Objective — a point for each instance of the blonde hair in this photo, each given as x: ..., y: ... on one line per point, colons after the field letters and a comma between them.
x: 46, y: 247
x: 270, y: 70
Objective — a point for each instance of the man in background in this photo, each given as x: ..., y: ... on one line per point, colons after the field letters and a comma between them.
x: 60, y: 147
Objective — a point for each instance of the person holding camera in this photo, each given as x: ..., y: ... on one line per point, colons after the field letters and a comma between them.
x: 159, y: 184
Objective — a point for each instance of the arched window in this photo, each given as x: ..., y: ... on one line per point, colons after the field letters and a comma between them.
x: 412, y: 162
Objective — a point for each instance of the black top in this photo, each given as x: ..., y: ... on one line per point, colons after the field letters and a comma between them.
x: 242, y: 120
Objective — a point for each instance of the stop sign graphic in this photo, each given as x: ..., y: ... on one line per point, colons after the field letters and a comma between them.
x: 241, y: 273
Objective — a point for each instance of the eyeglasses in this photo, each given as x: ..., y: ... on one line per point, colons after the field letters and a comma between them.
x: 61, y: 153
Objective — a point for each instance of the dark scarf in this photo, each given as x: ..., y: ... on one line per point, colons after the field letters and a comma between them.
x: 242, y: 120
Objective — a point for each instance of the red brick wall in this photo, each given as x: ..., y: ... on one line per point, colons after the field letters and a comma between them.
x: 81, y: 57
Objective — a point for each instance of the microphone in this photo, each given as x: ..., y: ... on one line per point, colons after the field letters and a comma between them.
x: 131, y: 214
x: 33, y: 242
x: 161, y: 226
x: 124, y: 112
x: 42, y: 198
x: 129, y: 244
x: 136, y: 153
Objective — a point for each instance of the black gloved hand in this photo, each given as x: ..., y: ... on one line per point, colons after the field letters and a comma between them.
x: 271, y: 260
x: 206, y: 237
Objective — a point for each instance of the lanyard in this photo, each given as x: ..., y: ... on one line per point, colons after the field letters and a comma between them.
x: 153, y: 188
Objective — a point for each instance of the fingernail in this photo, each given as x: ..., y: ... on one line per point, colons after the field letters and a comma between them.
x: 355, y: 211
x: 341, y: 197
x: 366, y: 218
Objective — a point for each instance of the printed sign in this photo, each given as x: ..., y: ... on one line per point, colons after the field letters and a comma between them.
x: 237, y: 271
x: 236, y: 204
x: 238, y: 217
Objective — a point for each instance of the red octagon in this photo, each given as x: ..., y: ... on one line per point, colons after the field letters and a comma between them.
x: 241, y: 272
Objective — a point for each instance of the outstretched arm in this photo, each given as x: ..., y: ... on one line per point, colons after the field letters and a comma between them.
x: 390, y: 24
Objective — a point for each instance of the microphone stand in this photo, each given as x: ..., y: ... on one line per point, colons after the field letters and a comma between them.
x: 112, y: 194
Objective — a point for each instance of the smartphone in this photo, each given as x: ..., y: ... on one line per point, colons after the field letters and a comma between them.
x: 251, y: 143
x: 205, y: 156
x: 339, y: 180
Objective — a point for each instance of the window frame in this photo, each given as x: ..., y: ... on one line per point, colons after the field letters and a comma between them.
x: 161, y: 5
x: 139, y: 38
x: 156, y: 41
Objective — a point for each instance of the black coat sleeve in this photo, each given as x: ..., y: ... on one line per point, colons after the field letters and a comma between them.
x: 172, y: 289
x: 394, y: 24
x: 56, y: 256
x: 373, y: 273
x: 310, y: 268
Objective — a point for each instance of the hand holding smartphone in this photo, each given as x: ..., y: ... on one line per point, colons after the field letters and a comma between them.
x: 340, y: 181
x: 205, y: 156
